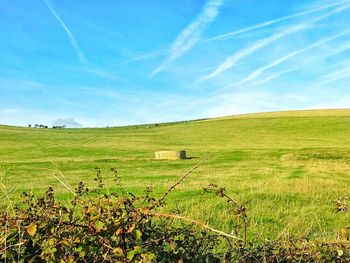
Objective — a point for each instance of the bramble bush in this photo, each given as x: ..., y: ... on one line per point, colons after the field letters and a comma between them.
x: 120, y: 227
x: 101, y: 227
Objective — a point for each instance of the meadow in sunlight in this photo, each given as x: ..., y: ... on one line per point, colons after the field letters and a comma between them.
x: 287, y: 168
x: 90, y: 90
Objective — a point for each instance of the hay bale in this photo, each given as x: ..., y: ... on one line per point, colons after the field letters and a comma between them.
x: 170, y: 155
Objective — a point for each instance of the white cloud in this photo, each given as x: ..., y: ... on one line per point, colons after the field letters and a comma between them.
x: 256, y: 73
x: 68, y: 122
x: 233, y: 59
x: 74, y: 43
x: 274, y: 21
x: 275, y: 75
x: 148, y: 55
x: 190, y: 36
x: 343, y: 73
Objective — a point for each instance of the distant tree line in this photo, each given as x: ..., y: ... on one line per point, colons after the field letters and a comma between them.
x: 46, y: 127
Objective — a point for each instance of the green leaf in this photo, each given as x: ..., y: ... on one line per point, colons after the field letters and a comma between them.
x: 99, y: 226
x: 80, y: 251
x: 43, y: 224
x: 130, y: 254
x: 138, y: 234
x: 118, y: 252
x: 65, y: 243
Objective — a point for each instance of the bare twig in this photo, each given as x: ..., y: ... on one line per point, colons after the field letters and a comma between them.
x: 65, y: 184
x: 205, y: 226
x: 241, y: 210
x: 4, y: 190
x: 160, y: 201
x: 9, y: 193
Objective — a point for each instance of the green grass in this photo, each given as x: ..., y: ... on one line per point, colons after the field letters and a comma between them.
x: 287, y: 167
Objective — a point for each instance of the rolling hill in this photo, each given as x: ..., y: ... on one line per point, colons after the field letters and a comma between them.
x: 287, y: 167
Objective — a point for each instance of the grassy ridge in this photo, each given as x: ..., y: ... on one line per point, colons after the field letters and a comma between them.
x: 288, y: 166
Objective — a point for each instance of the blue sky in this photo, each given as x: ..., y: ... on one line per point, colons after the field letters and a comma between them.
x: 98, y: 63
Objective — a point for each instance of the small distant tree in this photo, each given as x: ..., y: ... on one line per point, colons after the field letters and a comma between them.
x: 29, y: 126
x: 36, y: 125
x: 58, y: 126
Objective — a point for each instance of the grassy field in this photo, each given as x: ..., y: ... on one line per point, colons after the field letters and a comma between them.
x: 287, y: 167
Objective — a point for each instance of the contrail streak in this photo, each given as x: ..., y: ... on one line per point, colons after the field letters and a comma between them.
x: 271, y: 22
x: 332, y: 53
x: 190, y: 36
x: 233, y: 59
x: 74, y: 43
x: 340, y: 49
x: 147, y: 56
x: 337, y: 75
x: 274, y: 76
x: 255, y: 74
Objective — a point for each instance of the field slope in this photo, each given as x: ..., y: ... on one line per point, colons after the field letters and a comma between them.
x: 287, y: 167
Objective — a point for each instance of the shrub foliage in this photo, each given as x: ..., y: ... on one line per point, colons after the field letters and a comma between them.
x: 120, y: 227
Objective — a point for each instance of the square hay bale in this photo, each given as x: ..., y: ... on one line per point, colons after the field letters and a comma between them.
x: 170, y: 155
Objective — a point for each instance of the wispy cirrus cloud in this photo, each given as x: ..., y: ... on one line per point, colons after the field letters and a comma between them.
x: 147, y: 56
x: 275, y: 75
x: 256, y: 73
x: 101, y: 73
x: 76, y: 47
x: 236, y: 57
x: 337, y: 49
x: 274, y: 21
x: 72, y: 39
x: 190, y: 36
x: 342, y: 73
